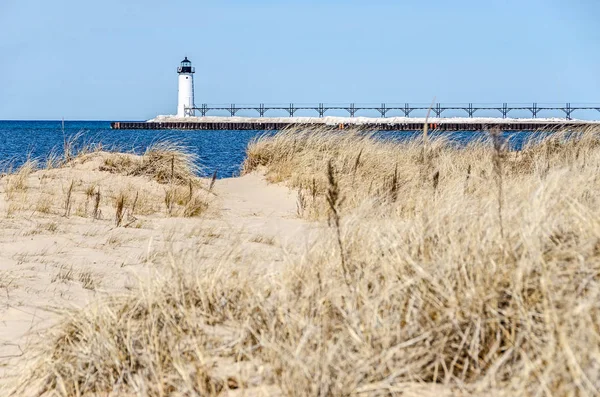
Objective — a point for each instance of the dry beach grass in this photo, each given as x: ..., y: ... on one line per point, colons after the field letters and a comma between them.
x: 79, y: 232
x: 433, y: 270
x: 86, y: 186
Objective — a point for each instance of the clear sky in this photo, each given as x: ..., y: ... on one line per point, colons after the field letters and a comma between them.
x: 117, y: 59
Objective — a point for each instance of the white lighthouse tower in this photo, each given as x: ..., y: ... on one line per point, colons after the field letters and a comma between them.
x: 185, y: 96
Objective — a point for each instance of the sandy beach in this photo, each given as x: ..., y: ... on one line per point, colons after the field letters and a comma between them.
x: 50, y: 262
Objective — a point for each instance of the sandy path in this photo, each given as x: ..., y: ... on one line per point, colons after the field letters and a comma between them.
x: 49, y: 263
x: 251, y: 202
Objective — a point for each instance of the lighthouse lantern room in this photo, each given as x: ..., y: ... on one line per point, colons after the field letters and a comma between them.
x: 185, y: 103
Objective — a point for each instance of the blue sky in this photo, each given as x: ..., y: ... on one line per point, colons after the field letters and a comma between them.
x: 117, y: 59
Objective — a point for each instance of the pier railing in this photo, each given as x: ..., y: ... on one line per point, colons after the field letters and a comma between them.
x: 388, y: 110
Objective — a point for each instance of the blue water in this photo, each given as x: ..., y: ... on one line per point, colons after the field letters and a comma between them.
x: 220, y: 151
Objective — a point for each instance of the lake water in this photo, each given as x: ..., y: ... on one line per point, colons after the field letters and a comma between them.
x: 220, y: 151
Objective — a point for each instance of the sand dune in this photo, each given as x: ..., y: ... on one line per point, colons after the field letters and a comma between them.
x: 339, y: 264
x: 50, y: 262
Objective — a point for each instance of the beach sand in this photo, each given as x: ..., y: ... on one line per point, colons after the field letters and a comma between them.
x: 50, y: 262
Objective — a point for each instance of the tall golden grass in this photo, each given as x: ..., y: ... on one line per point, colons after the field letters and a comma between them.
x: 464, y: 271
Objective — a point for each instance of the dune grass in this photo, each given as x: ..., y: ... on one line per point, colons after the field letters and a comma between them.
x: 444, y: 271
x: 169, y: 164
x: 165, y: 162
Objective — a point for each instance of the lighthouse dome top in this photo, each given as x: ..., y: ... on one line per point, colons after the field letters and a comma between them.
x: 186, y: 67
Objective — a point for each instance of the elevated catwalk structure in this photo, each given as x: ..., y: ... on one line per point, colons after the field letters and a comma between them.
x: 405, y: 109
x: 388, y: 117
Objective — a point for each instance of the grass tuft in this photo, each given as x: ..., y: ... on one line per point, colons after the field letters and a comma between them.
x: 165, y: 162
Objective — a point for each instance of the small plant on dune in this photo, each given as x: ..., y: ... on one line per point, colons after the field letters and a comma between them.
x: 53, y: 160
x: 17, y: 182
x: 51, y: 227
x: 70, y: 144
x: 466, y: 189
x: 44, y: 204
x: 191, y: 191
x: 88, y: 280
x: 394, y: 185
x: 334, y: 200
x: 89, y: 195
x: 356, y: 165
x: 169, y: 200
x: 68, y: 199
x: 436, y: 180
x: 196, y: 206
x: 90, y: 191
x: 213, y: 179
x: 123, y: 216
x: 97, y: 213
x: 425, y: 154
x: 119, y: 208
x: 135, y: 200
x: 262, y: 239
x: 64, y: 274
x: 186, y: 202
x: 301, y: 203
x: 497, y: 160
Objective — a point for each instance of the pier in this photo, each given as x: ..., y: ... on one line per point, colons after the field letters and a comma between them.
x: 384, y: 117
x: 379, y: 126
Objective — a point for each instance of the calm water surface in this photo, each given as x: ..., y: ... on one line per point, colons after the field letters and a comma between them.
x: 221, y: 151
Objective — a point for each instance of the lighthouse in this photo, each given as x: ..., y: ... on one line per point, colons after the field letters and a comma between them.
x: 185, y: 95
